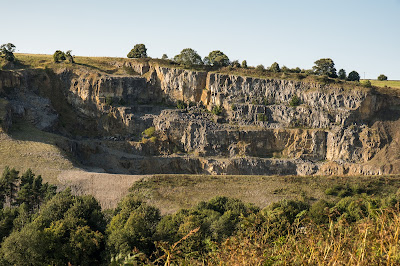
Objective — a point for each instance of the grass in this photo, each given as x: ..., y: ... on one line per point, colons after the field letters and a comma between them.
x: 27, y: 147
x: 172, y: 192
x: 108, y: 65
x: 395, y: 84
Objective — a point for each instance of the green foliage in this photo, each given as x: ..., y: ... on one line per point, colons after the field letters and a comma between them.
x: 235, y: 63
x: 367, y: 83
x: 133, y: 226
x: 181, y: 104
x: 164, y: 57
x: 58, y: 56
x: 275, y: 67
x: 262, y: 117
x: 188, y: 57
x: 109, y: 100
x: 216, y: 58
x: 69, y: 57
x: 244, y: 64
x: 149, y: 132
x: 7, y: 51
x: 342, y: 74
x: 294, y: 101
x: 217, y: 109
x: 353, y: 76
x: 260, y: 68
x: 382, y: 77
x: 325, y: 66
x: 138, y: 51
x: 67, y: 229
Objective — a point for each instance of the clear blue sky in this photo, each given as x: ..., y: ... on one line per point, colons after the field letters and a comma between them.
x: 361, y: 35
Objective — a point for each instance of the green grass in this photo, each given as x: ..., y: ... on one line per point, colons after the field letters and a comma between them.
x: 172, y: 192
x: 395, y: 84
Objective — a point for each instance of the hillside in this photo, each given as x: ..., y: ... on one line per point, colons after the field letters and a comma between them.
x: 151, y: 116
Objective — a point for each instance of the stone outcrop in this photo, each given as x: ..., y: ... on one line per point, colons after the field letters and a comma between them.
x: 333, y: 130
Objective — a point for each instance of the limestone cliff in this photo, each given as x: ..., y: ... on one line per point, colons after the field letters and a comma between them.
x: 333, y: 130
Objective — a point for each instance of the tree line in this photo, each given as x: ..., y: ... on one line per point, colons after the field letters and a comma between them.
x: 39, y: 226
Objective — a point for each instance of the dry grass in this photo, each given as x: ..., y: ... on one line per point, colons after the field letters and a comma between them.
x: 371, y: 241
x: 27, y: 147
x: 170, y: 193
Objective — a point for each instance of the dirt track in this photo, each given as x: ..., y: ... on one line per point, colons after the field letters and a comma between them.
x: 108, y: 189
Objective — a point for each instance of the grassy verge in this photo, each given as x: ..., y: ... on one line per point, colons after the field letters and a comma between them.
x: 395, y: 84
x: 172, y: 192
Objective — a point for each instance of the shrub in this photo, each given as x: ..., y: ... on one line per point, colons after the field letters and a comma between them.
x: 382, y: 77
x: 216, y: 58
x: 149, y: 132
x: 235, y: 64
x: 180, y: 105
x: 244, y: 64
x: 262, y: 117
x: 7, y: 51
x: 342, y: 74
x: 217, y: 110
x: 295, y: 101
x: 58, y: 56
x: 109, y: 100
x: 260, y: 68
x: 275, y: 68
x: 188, y: 57
x: 367, y: 84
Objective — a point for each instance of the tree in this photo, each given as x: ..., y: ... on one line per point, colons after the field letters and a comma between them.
x: 188, y: 57
x: 275, y: 68
x: 235, y: 63
x: 260, y: 68
x: 7, y: 51
x: 325, y: 66
x: 353, y: 76
x: 244, y: 64
x: 8, y: 182
x: 58, y: 56
x: 138, y: 51
x: 382, y: 77
x: 216, y: 58
x: 342, y: 74
x: 69, y: 57
x: 164, y: 57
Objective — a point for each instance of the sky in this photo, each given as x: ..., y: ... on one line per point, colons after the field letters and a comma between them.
x: 360, y: 35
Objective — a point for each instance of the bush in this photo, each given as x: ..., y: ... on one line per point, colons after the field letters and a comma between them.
x: 295, y: 101
x: 217, y: 110
x: 149, y: 132
x: 275, y: 68
x: 262, y: 117
x: 367, y: 84
x: 382, y: 77
x: 244, y: 64
x: 188, y: 57
x: 58, y: 56
x: 235, y: 64
x: 180, y: 105
x: 260, y: 68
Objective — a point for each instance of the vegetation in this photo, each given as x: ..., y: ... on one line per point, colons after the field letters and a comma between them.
x: 342, y: 74
x: 58, y: 56
x: 325, y: 66
x: 382, y: 77
x: 138, y: 51
x: 216, y: 58
x: 294, y: 101
x: 353, y: 76
x: 244, y: 64
x: 7, y: 51
x: 275, y: 68
x: 356, y: 220
x: 217, y: 109
x: 188, y: 57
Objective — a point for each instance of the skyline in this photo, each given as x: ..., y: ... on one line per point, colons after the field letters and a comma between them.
x: 357, y: 35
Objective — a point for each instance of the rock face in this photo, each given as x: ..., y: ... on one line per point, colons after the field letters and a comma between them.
x: 254, y: 130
